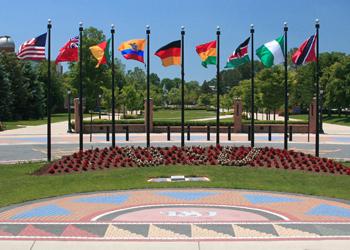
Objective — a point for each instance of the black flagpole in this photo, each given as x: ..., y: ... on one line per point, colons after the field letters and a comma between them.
x: 252, y: 87
x: 218, y: 85
x: 113, y: 88
x: 182, y: 87
x: 148, y: 114
x: 317, y: 149
x: 49, y: 26
x: 81, y: 147
x: 285, y: 88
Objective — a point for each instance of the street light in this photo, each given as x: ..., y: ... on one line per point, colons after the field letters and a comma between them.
x: 69, y: 113
x: 99, y: 106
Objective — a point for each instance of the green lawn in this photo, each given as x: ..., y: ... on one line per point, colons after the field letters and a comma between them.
x: 60, y: 117
x: 334, y: 119
x: 175, y: 115
x: 18, y: 185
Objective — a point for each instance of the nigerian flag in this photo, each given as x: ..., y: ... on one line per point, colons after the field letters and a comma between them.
x: 272, y: 53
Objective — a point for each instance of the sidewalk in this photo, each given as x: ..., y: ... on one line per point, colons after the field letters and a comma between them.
x: 200, y: 245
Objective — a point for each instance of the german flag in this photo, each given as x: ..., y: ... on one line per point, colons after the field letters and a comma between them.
x: 170, y: 54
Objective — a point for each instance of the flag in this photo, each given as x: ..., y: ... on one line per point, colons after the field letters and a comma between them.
x: 69, y: 52
x: 207, y: 52
x: 170, y: 54
x: 272, y: 53
x: 306, y: 52
x: 239, y: 56
x: 133, y: 49
x: 101, y: 52
x: 33, y: 49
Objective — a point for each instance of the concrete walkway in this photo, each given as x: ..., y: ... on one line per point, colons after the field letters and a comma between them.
x: 201, y: 245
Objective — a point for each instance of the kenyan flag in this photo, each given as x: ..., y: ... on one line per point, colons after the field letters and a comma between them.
x: 239, y: 56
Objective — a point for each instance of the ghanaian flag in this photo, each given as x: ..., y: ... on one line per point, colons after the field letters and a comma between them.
x: 207, y: 52
x: 101, y: 52
x: 170, y: 54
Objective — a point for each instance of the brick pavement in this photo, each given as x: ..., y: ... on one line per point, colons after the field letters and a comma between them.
x: 178, y: 214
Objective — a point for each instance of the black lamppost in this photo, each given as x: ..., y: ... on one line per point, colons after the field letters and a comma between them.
x: 99, y: 106
x: 69, y: 112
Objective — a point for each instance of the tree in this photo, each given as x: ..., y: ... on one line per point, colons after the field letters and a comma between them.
x: 36, y: 96
x: 336, y: 78
x: 271, y: 85
x: 204, y: 100
x: 6, y: 96
x: 192, y: 92
x: 174, y: 96
x: 93, y: 78
x: 18, y: 89
x: 58, y: 91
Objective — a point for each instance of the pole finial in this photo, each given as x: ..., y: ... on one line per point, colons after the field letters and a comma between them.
x: 148, y: 27
x: 49, y: 21
x: 80, y: 24
x: 252, y: 26
x: 218, y: 28
x: 112, y: 26
x: 285, y: 24
x: 182, y: 28
x: 317, y: 21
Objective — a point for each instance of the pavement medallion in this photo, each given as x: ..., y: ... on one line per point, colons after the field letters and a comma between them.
x: 178, y: 214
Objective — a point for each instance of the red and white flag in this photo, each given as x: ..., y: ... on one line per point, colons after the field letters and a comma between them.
x: 69, y: 52
x: 33, y: 49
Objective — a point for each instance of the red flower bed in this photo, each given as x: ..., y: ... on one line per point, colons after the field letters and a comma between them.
x: 91, y: 160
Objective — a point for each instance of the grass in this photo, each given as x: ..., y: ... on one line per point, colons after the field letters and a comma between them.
x: 18, y: 185
x: 334, y: 119
x: 60, y: 117
x: 175, y: 115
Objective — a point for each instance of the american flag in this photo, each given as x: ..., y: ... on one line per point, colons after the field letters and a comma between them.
x: 33, y: 49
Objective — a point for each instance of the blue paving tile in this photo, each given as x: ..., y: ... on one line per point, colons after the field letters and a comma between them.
x: 260, y: 198
x: 186, y: 195
x: 49, y: 210
x: 111, y: 199
x: 328, y: 210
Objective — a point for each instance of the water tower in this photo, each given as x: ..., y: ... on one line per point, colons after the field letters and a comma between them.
x: 7, y: 44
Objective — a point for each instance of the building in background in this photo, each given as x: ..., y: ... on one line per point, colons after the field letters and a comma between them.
x: 7, y: 44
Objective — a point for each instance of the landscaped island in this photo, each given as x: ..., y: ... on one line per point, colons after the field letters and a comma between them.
x: 119, y: 157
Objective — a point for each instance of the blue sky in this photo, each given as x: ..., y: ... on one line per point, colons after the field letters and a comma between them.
x: 25, y: 19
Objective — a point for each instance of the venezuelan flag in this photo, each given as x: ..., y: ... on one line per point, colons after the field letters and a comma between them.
x: 207, y: 52
x: 133, y: 49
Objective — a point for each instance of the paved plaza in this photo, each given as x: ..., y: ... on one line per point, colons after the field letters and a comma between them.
x: 29, y: 143
x: 178, y: 214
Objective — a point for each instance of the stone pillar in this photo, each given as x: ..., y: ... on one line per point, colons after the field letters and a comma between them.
x: 237, y: 115
x: 151, y: 113
x: 76, y: 116
x: 312, y: 115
